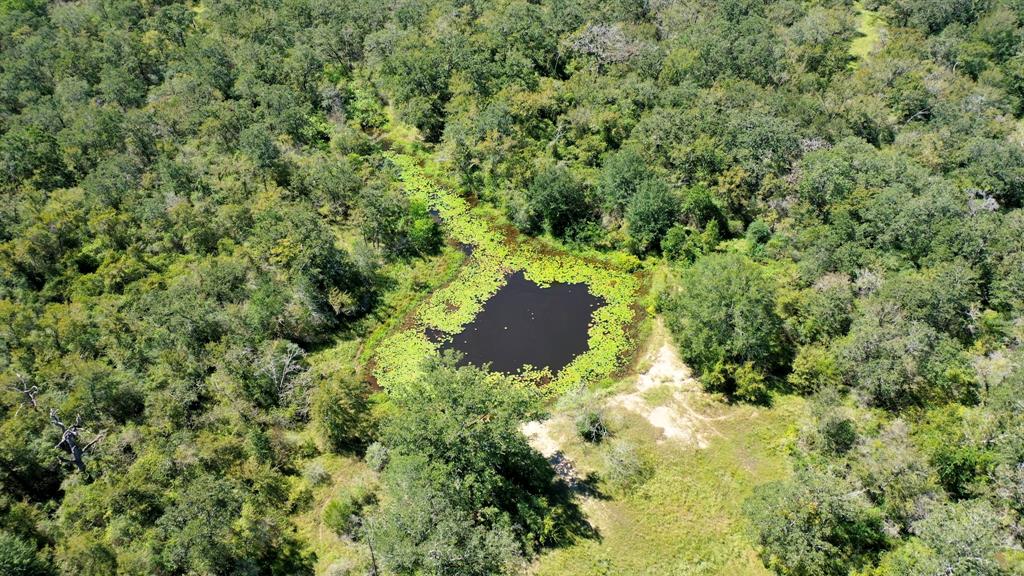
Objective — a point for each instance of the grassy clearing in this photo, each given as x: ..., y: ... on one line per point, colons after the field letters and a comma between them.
x: 340, y: 474
x: 869, y: 26
x: 686, y: 519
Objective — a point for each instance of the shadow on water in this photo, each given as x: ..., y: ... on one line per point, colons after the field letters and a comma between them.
x: 524, y: 323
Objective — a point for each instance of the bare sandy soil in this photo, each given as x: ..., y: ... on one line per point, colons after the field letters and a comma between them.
x: 668, y: 396
x: 665, y: 394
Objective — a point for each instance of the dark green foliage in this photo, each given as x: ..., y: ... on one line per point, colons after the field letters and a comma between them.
x: 817, y: 525
x: 723, y: 319
x: 894, y: 362
x: 839, y: 433
x: 559, y: 200
x: 698, y: 208
x: 455, y: 448
x: 193, y: 200
x: 400, y: 228
x: 621, y: 177
x: 426, y: 529
x: 651, y: 212
x: 340, y: 414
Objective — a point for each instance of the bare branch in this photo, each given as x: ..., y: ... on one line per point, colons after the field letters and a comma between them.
x: 69, y: 439
x: 29, y: 392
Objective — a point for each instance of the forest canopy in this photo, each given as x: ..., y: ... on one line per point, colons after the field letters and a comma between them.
x: 201, y: 240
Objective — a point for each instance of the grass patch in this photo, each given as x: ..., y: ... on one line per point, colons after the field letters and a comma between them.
x: 340, y: 475
x: 659, y: 395
x: 686, y: 518
x: 869, y: 26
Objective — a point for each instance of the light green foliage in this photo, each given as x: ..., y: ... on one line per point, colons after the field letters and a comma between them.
x: 814, y: 368
x: 707, y: 532
x: 957, y: 539
x: 869, y: 26
x: 18, y: 558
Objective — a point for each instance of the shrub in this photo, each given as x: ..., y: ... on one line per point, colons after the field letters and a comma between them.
x: 590, y: 425
x: 627, y: 468
x: 343, y: 514
x: 750, y: 384
x: 376, y: 456
x: 814, y: 368
x: 839, y: 433
x: 340, y: 414
x: 758, y: 232
x: 315, y: 473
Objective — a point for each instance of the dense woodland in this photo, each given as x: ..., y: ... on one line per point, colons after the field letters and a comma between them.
x: 193, y: 202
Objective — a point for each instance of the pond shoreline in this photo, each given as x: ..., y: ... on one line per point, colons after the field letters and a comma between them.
x: 495, y: 255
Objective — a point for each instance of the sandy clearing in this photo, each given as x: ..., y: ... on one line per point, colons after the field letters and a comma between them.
x: 665, y: 395
x: 675, y: 416
x: 539, y: 435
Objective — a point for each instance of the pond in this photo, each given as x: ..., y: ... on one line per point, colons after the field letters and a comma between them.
x: 524, y: 323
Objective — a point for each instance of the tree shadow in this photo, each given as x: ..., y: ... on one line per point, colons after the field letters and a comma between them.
x: 561, y: 488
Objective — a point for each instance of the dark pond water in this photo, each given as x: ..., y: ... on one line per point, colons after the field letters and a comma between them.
x: 526, y: 324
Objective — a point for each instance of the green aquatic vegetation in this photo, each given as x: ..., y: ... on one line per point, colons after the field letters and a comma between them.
x: 495, y: 256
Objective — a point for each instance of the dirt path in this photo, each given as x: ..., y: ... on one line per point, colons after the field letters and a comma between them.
x: 668, y: 396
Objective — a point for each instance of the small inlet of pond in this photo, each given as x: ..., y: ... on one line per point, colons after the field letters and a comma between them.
x: 524, y: 323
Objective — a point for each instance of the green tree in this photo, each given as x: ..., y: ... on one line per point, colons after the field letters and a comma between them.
x: 652, y: 211
x: 894, y: 362
x: 723, y: 317
x: 958, y: 538
x: 559, y: 199
x: 19, y: 558
x: 621, y: 177
x: 817, y: 524
x: 341, y: 414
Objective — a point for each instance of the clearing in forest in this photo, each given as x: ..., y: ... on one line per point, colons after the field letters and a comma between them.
x: 869, y: 28
x: 704, y: 458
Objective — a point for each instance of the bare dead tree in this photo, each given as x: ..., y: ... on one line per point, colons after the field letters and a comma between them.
x: 29, y: 392
x: 607, y: 44
x: 282, y: 365
x: 69, y: 440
